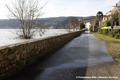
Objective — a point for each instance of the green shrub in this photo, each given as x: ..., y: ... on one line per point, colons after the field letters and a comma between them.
x: 109, y: 30
x: 100, y: 31
x: 105, y: 24
x: 104, y: 31
x: 112, y: 22
x: 114, y: 31
x: 108, y: 23
x: 117, y: 36
x: 110, y: 34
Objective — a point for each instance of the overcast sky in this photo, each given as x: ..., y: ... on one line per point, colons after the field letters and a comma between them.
x: 55, y: 8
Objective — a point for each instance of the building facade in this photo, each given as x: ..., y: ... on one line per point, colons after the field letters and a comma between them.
x: 113, y: 13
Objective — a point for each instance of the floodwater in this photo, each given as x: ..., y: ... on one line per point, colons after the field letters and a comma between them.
x: 70, y: 61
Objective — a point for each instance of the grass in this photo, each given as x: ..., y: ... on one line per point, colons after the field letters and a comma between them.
x: 112, y: 44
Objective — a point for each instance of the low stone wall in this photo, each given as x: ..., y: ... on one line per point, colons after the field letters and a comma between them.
x: 15, y: 57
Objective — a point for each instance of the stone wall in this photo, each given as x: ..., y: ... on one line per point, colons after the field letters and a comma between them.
x: 17, y: 56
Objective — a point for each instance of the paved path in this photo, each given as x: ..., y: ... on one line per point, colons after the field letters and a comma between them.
x: 83, y: 56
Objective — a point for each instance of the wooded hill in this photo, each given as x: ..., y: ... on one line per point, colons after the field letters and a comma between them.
x: 54, y: 22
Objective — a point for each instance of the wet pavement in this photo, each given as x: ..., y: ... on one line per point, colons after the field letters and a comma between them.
x: 70, y: 61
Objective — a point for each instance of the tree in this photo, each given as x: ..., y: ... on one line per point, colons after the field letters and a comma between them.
x: 106, y: 23
x: 74, y: 22
x: 95, y: 25
x: 114, y: 17
x: 68, y: 25
x: 26, y: 13
x: 99, y: 16
x: 112, y: 23
x: 119, y: 19
x: 91, y: 28
x: 82, y: 25
x: 42, y: 28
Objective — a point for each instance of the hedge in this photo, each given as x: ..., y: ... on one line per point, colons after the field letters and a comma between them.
x: 110, y: 32
x: 117, y: 36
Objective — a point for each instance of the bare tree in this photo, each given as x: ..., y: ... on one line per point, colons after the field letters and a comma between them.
x: 74, y: 22
x: 41, y: 28
x: 68, y: 25
x: 26, y: 13
x: 114, y: 17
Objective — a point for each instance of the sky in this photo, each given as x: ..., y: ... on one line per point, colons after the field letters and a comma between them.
x: 59, y: 8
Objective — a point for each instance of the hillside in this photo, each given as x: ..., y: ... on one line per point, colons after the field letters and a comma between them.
x: 54, y: 22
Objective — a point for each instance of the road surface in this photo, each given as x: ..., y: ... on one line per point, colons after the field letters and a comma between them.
x: 85, y: 56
